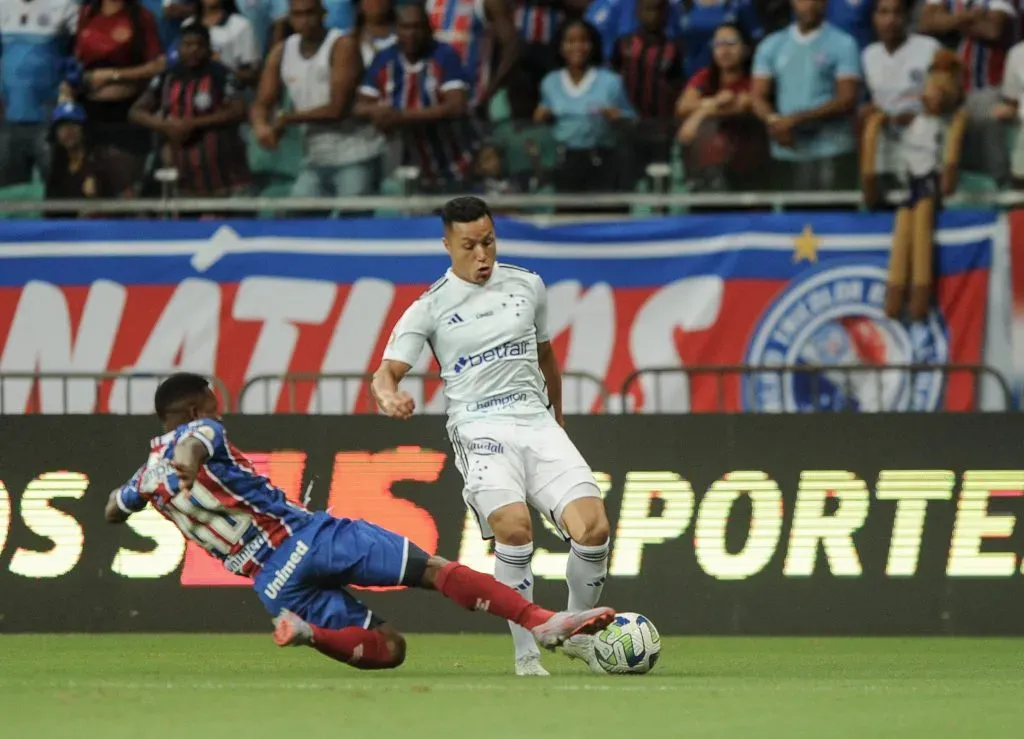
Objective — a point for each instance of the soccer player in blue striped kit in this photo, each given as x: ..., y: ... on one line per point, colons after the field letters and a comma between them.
x: 301, y: 561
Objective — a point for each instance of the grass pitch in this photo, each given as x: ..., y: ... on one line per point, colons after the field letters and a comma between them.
x: 456, y: 687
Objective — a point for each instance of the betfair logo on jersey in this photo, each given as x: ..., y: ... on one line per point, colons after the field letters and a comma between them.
x: 503, y: 351
x: 273, y: 588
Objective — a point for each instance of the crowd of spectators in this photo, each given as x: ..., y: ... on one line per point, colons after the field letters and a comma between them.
x: 114, y: 98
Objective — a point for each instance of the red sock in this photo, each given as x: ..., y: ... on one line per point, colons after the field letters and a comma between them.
x: 479, y: 592
x: 361, y: 648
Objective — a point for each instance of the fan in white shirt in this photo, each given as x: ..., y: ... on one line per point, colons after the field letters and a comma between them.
x: 895, y: 68
x: 231, y: 38
x: 1010, y: 110
x: 486, y: 324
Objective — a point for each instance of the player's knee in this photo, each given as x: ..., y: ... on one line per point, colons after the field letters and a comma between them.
x: 586, y: 521
x: 512, y: 525
x: 595, y: 532
x: 515, y: 537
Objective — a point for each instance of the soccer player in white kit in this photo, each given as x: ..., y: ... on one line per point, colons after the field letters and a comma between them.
x: 486, y: 323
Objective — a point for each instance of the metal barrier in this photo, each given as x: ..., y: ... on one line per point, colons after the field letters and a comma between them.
x: 22, y: 392
x: 132, y: 392
x: 851, y: 383
x: 581, y: 392
x: 426, y: 204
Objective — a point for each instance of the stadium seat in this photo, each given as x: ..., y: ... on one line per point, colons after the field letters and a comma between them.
x: 390, y: 187
x: 678, y: 178
x: 274, y: 187
x: 499, y: 109
x: 643, y: 186
x: 33, y: 191
x: 513, y: 136
x: 974, y: 183
x: 282, y: 162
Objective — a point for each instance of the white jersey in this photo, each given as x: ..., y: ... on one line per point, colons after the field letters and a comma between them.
x: 896, y: 81
x: 895, y: 84
x: 1013, y: 78
x: 924, y: 143
x: 485, y: 340
x: 232, y: 41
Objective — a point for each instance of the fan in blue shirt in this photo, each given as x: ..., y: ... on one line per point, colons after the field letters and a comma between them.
x: 584, y: 101
x: 812, y: 70
x: 34, y: 38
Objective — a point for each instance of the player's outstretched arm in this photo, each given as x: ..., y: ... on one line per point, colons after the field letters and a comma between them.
x: 125, y: 500
x: 392, y: 401
x: 113, y: 512
x: 404, y: 348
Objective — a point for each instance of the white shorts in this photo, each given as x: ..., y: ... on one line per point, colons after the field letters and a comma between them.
x: 520, y: 462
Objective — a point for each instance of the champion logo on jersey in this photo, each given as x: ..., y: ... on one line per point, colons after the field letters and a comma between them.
x: 456, y: 318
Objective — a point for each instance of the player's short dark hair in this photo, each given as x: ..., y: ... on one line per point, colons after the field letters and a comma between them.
x: 179, y: 386
x: 465, y: 209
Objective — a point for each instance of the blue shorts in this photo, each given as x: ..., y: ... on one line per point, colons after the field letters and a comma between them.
x: 308, y: 573
x: 929, y: 186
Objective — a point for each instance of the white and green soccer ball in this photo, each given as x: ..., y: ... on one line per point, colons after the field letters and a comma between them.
x: 629, y: 645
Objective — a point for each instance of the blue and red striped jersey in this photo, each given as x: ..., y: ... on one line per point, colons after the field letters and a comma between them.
x: 444, y: 150
x: 984, y: 63
x: 232, y: 512
x: 537, y: 22
x: 463, y: 25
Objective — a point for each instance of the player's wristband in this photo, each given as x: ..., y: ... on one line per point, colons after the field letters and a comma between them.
x: 120, y: 503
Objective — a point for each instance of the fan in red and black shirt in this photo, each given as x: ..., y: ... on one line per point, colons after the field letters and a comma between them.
x: 197, y: 107
x: 651, y: 66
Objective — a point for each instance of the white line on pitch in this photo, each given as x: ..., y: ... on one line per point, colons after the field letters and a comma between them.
x: 403, y: 685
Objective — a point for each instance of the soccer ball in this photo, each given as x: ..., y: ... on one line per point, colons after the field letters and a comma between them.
x: 629, y: 645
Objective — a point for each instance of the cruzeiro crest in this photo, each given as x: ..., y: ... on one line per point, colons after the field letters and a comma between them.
x: 833, y: 315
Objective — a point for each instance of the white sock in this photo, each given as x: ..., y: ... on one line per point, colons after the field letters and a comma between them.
x: 512, y: 568
x: 585, y: 575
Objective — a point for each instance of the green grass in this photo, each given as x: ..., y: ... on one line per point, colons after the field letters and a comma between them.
x: 456, y: 687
